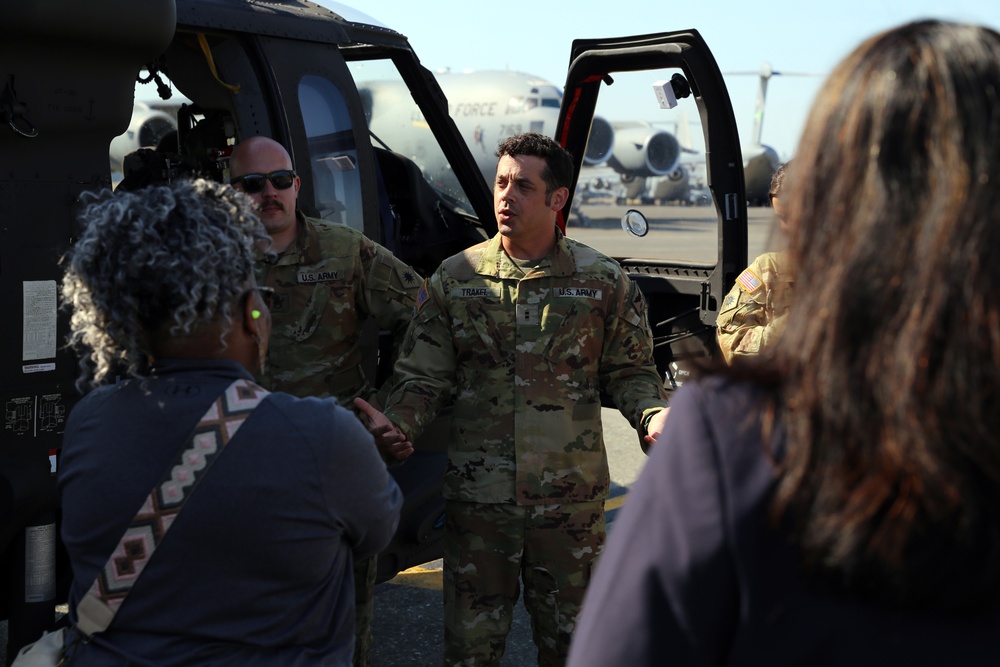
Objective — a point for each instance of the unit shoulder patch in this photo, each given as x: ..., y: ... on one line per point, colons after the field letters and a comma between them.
x: 423, y: 296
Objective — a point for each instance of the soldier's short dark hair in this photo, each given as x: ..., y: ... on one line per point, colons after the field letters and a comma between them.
x: 559, y: 161
x: 777, y: 182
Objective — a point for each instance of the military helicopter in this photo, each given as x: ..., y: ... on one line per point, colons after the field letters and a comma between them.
x: 298, y: 72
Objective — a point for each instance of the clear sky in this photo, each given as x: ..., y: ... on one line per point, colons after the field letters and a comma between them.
x: 534, y: 36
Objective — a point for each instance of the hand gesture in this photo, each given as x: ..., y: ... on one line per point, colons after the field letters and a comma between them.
x: 655, y: 427
x: 392, y: 443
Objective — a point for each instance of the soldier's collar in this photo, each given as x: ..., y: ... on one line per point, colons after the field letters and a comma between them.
x: 560, y: 261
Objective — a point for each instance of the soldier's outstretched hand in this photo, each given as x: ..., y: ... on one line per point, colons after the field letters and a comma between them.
x: 392, y: 443
x: 655, y: 426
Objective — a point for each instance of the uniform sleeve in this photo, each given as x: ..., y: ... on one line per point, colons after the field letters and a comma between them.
x: 628, y: 372
x: 744, y: 325
x: 665, y: 589
x: 424, y: 373
x: 390, y: 287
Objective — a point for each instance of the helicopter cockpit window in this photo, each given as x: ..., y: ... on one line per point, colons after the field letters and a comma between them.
x: 153, y: 126
x: 396, y: 125
x: 333, y: 156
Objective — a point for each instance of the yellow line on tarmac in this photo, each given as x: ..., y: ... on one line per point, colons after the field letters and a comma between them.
x: 614, y: 503
x: 429, y: 575
x: 426, y: 576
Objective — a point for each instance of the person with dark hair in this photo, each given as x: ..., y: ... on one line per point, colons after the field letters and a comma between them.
x: 835, y: 500
x: 528, y: 329
x: 256, y: 568
x: 753, y: 312
x: 328, y: 279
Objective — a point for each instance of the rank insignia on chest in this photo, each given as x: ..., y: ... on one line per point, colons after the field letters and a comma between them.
x: 527, y: 314
x: 749, y: 281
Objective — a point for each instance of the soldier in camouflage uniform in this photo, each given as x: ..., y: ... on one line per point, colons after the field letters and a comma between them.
x: 327, y: 279
x: 753, y: 312
x: 525, y: 329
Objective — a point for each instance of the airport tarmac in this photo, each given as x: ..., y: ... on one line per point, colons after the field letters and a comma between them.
x: 685, y: 233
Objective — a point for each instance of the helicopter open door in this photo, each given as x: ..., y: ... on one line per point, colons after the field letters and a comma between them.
x: 683, y: 287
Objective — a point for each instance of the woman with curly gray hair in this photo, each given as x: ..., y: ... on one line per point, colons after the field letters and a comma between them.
x: 157, y: 268
x: 256, y: 569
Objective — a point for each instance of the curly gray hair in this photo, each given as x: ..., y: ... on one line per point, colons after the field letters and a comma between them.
x: 165, y: 257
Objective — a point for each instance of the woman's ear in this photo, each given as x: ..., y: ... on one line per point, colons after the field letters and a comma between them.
x: 253, y: 312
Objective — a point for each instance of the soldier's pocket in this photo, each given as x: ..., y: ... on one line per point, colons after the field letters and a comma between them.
x: 492, y: 341
x: 575, y: 337
x: 333, y: 294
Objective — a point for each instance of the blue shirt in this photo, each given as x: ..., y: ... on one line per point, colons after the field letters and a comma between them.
x: 256, y: 569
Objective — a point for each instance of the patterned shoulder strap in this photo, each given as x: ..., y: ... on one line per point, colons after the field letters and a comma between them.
x: 149, y: 526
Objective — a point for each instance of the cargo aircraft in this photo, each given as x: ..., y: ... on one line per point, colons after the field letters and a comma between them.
x: 638, y: 158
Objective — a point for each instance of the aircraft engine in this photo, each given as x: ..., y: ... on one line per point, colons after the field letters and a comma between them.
x: 600, y: 143
x: 644, y: 151
x: 675, y: 186
x: 145, y: 130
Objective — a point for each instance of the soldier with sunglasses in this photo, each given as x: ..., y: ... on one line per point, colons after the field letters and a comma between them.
x: 328, y: 279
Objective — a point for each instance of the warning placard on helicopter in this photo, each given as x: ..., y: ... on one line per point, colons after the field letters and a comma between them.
x: 38, y: 339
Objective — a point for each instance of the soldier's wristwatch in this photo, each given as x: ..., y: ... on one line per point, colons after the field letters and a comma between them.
x: 648, y: 418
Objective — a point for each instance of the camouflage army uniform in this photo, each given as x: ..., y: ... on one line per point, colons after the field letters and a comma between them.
x: 526, y: 351
x: 326, y: 284
x: 753, y: 312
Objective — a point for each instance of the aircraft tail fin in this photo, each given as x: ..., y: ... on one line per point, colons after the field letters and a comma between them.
x: 766, y: 72
x: 684, y: 131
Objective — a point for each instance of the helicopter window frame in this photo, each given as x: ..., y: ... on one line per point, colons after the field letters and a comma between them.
x: 333, y: 153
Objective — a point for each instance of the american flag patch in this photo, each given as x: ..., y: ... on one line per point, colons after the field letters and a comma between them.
x: 422, y: 295
x: 749, y: 282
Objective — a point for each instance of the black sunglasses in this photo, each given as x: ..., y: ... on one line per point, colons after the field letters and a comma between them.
x: 254, y: 183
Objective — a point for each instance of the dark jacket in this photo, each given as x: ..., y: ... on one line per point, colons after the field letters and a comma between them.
x: 256, y: 570
x: 694, y: 574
